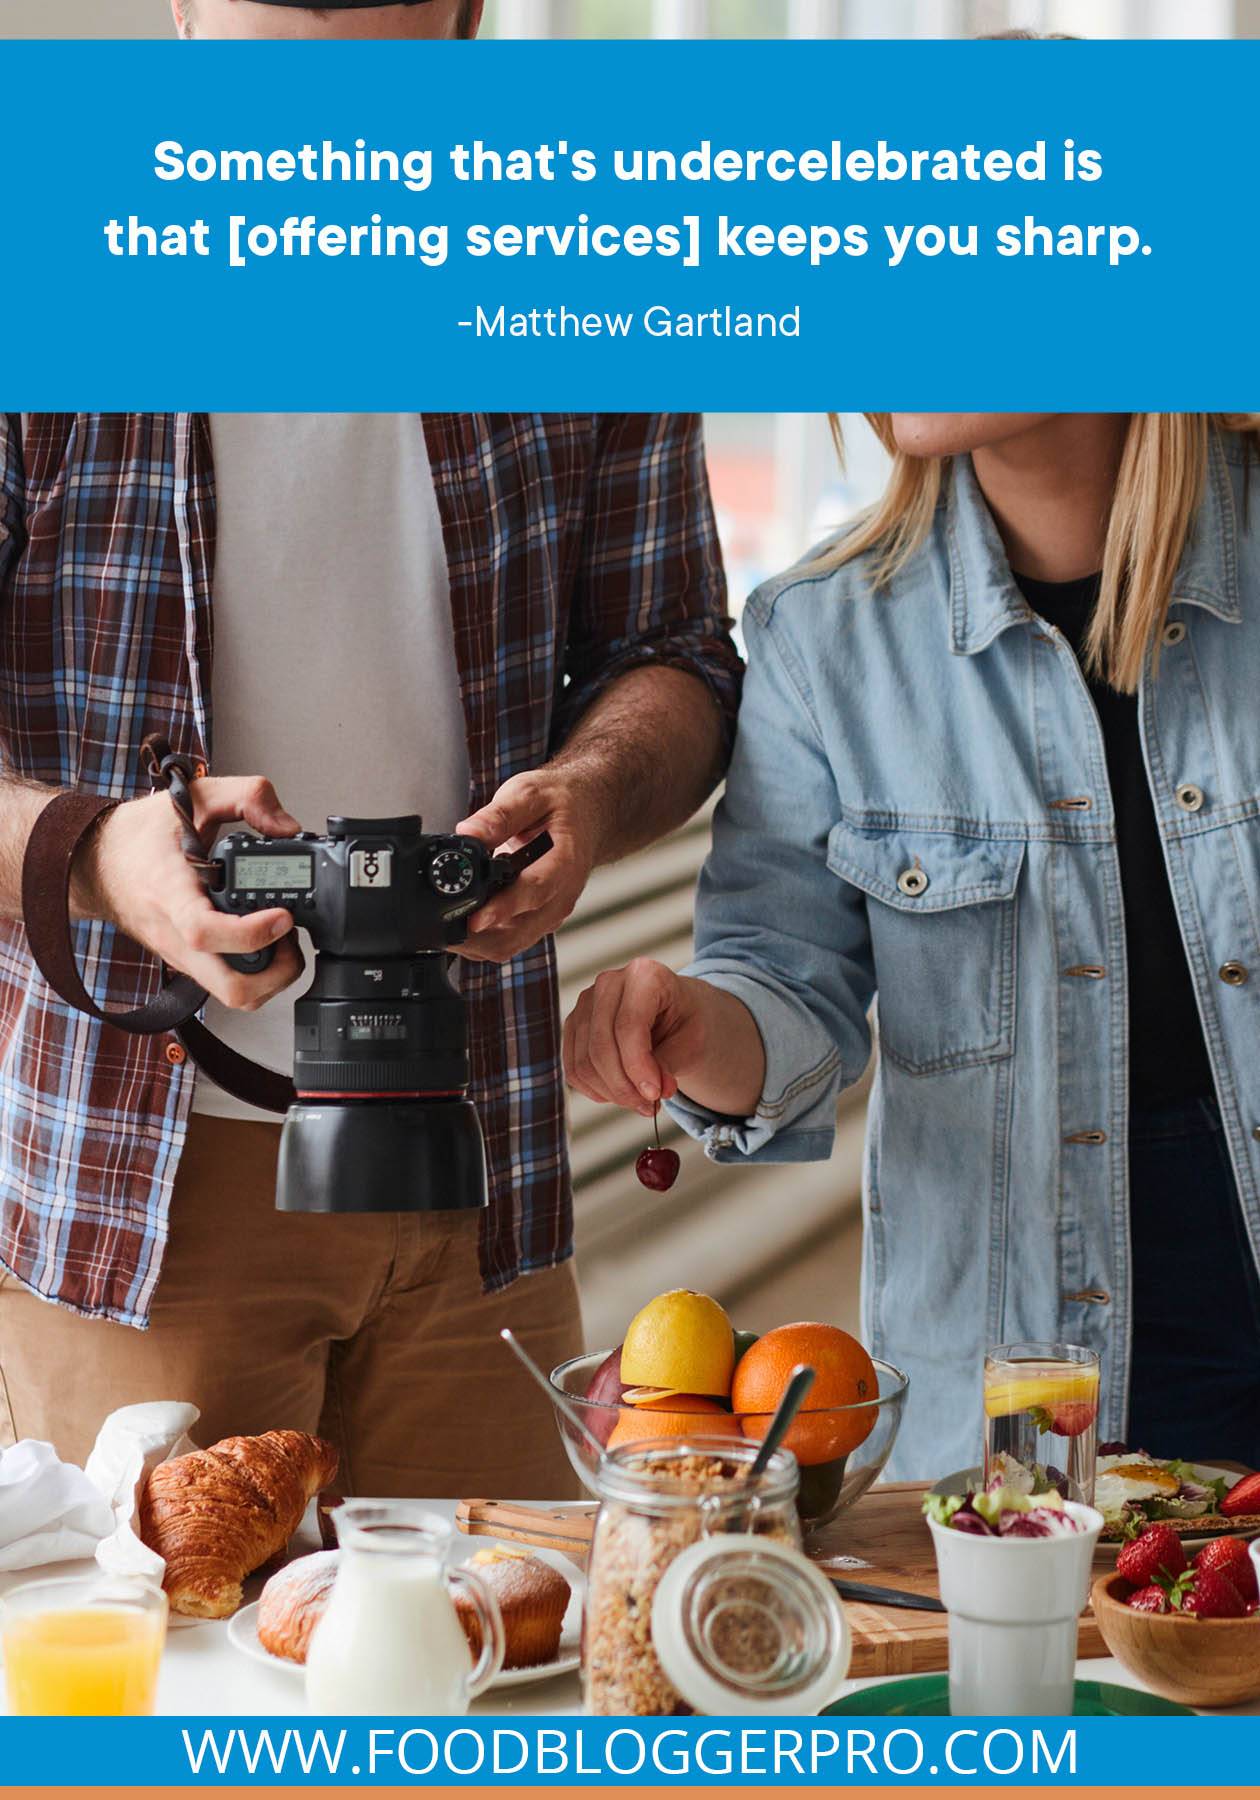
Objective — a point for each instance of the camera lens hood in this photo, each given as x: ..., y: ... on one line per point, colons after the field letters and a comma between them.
x: 374, y: 1156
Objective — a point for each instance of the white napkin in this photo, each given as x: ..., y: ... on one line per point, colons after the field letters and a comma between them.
x: 130, y: 1443
x: 49, y: 1510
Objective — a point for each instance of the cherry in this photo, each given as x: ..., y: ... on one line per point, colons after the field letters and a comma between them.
x: 657, y: 1167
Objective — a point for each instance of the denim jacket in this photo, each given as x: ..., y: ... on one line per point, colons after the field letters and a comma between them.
x: 918, y: 812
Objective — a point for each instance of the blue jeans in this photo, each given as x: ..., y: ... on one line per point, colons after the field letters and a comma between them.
x: 1195, y: 1390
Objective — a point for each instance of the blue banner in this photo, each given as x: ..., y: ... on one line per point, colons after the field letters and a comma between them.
x: 736, y: 225
x: 564, y: 1752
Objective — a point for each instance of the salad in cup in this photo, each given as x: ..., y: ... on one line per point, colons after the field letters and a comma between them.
x: 1014, y: 1577
x: 1003, y: 1512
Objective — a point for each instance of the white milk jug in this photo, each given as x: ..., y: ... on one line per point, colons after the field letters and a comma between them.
x: 390, y: 1641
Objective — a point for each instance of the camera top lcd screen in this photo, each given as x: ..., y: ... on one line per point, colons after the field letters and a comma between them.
x: 254, y: 873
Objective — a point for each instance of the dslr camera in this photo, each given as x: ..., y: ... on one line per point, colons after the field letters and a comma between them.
x: 382, y: 1121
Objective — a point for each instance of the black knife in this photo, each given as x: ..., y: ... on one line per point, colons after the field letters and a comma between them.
x: 882, y: 1596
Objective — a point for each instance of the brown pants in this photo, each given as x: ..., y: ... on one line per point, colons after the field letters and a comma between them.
x: 371, y: 1330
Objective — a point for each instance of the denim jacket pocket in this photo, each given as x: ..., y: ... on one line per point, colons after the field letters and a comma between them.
x: 942, y: 914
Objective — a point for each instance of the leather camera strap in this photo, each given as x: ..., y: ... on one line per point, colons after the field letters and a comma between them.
x: 59, y: 831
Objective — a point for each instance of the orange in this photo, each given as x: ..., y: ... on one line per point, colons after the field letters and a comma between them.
x: 844, y: 1375
x: 673, y: 1416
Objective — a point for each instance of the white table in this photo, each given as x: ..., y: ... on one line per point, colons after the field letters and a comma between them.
x: 203, y: 1674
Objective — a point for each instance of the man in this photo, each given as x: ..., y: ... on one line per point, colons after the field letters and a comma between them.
x: 344, y: 19
x: 404, y: 612
x: 504, y: 623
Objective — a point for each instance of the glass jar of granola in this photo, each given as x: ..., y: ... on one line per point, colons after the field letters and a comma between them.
x: 743, y: 1623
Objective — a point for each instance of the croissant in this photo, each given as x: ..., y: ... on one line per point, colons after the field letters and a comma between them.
x: 217, y: 1515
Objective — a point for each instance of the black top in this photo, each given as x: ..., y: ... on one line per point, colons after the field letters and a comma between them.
x: 1168, y: 1057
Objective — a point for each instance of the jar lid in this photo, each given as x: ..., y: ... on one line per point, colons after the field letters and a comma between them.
x: 681, y: 1474
x: 746, y: 1625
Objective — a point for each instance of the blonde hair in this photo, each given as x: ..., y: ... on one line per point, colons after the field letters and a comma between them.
x: 1162, y: 470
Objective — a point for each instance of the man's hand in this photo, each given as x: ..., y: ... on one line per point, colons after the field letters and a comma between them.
x: 540, y: 900
x: 132, y: 873
x: 638, y: 762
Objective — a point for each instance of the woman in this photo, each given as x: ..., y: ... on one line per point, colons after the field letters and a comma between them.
x: 998, y: 768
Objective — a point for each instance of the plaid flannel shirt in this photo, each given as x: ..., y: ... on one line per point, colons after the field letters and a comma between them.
x: 579, y: 547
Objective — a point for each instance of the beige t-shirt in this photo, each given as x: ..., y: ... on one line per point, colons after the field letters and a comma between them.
x: 334, y: 654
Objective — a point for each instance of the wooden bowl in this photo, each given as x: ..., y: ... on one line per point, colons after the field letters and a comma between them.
x: 1200, y: 1662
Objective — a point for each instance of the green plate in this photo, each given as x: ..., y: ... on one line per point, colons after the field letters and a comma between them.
x: 927, y: 1696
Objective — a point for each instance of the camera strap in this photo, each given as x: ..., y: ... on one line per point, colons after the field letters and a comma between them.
x: 59, y: 831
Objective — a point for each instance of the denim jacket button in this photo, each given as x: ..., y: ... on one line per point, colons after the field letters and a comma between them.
x: 913, y: 882
x: 1189, y: 796
x: 1234, y: 974
x: 1174, y: 632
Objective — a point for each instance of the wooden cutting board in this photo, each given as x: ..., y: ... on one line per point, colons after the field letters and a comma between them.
x: 884, y: 1538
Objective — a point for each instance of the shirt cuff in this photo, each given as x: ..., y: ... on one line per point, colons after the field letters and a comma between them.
x: 795, y: 1120
x: 700, y: 648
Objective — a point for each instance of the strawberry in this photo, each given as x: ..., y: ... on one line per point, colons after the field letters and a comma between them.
x: 1149, y: 1599
x: 1207, y: 1596
x: 1229, y: 1557
x: 1156, y: 1552
x: 1243, y: 1497
x: 1066, y: 1418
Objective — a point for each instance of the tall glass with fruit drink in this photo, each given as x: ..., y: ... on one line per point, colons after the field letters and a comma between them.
x: 1041, y: 1419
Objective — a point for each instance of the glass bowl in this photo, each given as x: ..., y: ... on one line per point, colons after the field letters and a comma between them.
x: 841, y: 1449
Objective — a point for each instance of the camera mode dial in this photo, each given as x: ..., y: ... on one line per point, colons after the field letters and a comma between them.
x: 452, y: 873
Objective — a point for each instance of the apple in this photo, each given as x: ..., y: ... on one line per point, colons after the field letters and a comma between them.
x: 606, y: 1386
x: 605, y: 1389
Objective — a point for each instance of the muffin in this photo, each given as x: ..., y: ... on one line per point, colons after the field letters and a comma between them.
x: 533, y: 1598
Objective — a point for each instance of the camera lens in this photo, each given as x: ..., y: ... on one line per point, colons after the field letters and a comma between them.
x: 380, y: 1031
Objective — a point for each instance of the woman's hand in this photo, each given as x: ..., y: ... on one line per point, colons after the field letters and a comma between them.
x: 642, y: 1033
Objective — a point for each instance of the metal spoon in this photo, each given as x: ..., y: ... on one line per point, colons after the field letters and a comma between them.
x: 799, y: 1383
x: 570, y: 1412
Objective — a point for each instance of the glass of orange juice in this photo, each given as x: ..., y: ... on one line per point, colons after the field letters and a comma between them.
x: 83, y: 1644
x: 1041, y: 1418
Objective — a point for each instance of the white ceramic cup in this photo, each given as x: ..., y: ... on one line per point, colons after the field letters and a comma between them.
x: 1013, y: 1605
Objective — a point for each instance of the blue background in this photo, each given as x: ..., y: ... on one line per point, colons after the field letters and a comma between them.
x: 1193, y: 1754
x: 1174, y: 121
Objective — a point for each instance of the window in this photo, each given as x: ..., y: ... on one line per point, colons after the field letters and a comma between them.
x: 869, y: 18
x: 772, y: 1242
